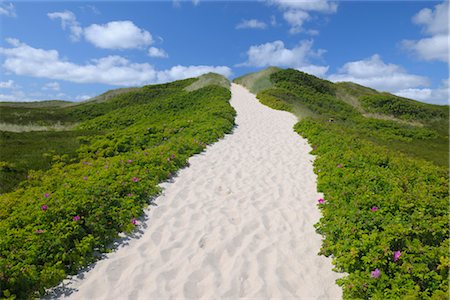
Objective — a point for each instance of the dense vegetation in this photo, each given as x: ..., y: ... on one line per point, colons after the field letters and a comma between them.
x: 385, y: 216
x: 60, y: 219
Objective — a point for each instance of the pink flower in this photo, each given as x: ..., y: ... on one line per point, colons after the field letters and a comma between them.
x: 129, y: 161
x: 374, y: 208
x: 76, y: 218
x: 130, y: 195
x: 315, y: 147
x: 134, y: 221
x: 397, y: 255
x: 339, y: 166
x: 135, y: 179
x: 375, y: 273
x: 85, y: 178
x: 39, y: 231
x: 321, y: 201
x: 44, y: 207
x: 46, y: 195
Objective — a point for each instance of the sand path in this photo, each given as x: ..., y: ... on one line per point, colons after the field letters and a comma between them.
x: 237, y: 223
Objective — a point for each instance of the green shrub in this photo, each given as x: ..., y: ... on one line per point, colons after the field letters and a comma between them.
x: 385, y: 103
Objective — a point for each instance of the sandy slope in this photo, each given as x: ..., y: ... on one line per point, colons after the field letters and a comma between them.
x: 237, y: 223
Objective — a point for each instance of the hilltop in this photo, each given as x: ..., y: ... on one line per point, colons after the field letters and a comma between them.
x: 415, y: 128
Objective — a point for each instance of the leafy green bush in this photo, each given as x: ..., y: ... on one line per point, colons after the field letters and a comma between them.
x: 291, y: 77
x: 401, y: 107
x: 385, y: 216
x: 59, y: 220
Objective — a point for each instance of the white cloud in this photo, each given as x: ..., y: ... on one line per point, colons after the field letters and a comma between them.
x: 433, y: 21
x: 117, y: 35
x: 318, y: 71
x: 435, y: 24
x: 7, y: 9
x: 54, y: 86
x: 182, y: 72
x: 276, y: 54
x: 251, y: 24
x: 83, y: 97
x: 323, y: 6
x: 7, y: 84
x: 68, y: 20
x: 374, y: 73
x: 112, y: 35
x: 14, y: 96
x: 157, y: 52
x: 22, y: 59
x: 439, y: 95
x: 296, y: 13
x: 296, y: 18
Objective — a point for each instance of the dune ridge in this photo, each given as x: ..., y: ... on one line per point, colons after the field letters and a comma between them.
x: 238, y: 223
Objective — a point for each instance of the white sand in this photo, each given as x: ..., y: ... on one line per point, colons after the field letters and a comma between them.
x: 237, y: 223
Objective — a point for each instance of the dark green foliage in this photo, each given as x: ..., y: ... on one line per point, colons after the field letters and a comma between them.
x: 290, y: 77
x: 357, y: 172
x: 402, y: 108
x: 146, y: 136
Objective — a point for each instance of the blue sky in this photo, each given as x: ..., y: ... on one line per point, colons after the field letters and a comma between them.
x: 75, y: 50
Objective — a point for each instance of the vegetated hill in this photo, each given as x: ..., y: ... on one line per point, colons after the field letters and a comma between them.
x: 412, y: 127
x: 257, y: 81
x: 61, y: 217
x: 47, y: 103
x: 107, y: 95
x: 382, y: 164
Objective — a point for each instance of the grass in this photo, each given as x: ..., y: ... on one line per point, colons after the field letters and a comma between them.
x: 69, y: 211
x: 208, y: 79
x: 25, y: 151
x: 385, y: 183
x: 257, y: 81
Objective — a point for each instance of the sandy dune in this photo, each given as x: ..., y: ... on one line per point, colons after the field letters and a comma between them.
x: 237, y: 223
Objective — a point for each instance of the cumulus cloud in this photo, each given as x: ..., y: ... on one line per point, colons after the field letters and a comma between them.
x: 435, y: 24
x: 7, y: 9
x: 276, y: 54
x: 53, y: 86
x: 112, y: 35
x: 68, y: 21
x: 117, y: 35
x: 22, y: 59
x: 296, y: 13
x: 182, y: 72
x: 318, y: 71
x: 375, y: 73
x: 83, y: 97
x: 14, y: 96
x: 7, y: 84
x: 157, y: 52
x: 439, y: 95
x: 251, y: 24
